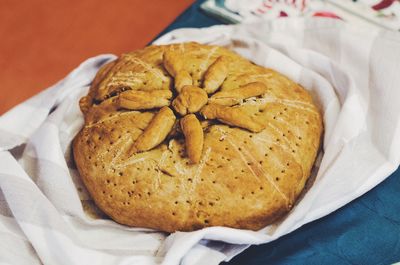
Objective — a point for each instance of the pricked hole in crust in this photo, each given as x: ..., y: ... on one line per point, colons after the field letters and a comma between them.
x: 271, y: 149
x: 187, y: 201
x: 250, y: 136
x: 285, y: 109
x: 149, y: 193
x: 252, y: 192
x: 120, y: 173
x: 300, y: 138
x: 214, y: 182
x: 240, y: 149
x: 261, y: 187
x: 283, y: 171
x: 242, y: 171
x: 277, y: 178
x: 206, y: 221
x: 260, y: 162
x: 236, y: 177
x: 190, y: 180
x: 266, y: 154
x: 173, y: 213
x: 293, y: 151
x: 277, y: 139
x: 211, y: 203
x: 108, y: 181
x: 307, y: 122
x: 226, y: 148
x: 104, y: 192
x: 288, y: 164
x: 176, y: 202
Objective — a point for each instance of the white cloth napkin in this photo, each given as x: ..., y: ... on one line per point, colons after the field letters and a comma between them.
x: 352, y: 73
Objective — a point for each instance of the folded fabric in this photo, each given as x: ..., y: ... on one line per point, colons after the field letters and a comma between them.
x: 352, y: 74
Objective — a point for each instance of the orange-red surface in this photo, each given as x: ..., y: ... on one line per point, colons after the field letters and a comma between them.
x: 42, y: 40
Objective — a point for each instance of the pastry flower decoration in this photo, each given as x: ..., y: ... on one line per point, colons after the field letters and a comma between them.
x: 190, y: 104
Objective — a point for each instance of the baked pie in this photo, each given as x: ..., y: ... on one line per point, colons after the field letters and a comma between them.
x: 186, y: 136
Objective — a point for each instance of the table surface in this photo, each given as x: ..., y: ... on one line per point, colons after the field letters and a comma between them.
x: 366, y: 231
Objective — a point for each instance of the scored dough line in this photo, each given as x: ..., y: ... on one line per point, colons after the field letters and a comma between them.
x: 279, y: 132
x: 205, y: 62
x: 149, y: 68
x: 267, y: 141
x: 199, y: 169
x: 290, y: 103
x: 254, y: 162
x: 100, y: 122
x: 159, y: 166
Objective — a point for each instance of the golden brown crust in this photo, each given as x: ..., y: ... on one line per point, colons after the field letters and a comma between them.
x: 142, y: 100
x: 193, y: 133
x: 236, y: 96
x: 235, y: 116
x: 258, y: 145
x: 156, y: 131
x: 190, y: 100
x: 216, y: 74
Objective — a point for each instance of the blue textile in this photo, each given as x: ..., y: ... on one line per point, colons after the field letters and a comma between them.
x: 365, y: 232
